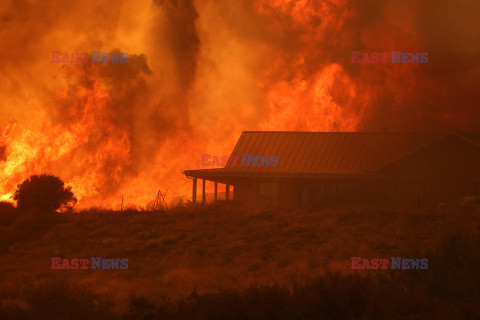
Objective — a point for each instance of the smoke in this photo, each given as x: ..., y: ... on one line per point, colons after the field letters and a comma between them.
x: 200, y: 72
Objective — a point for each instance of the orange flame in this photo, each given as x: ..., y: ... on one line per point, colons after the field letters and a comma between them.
x: 200, y: 72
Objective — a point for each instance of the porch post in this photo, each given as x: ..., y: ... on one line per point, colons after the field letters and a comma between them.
x: 204, y: 197
x: 227, y: 192
x: 215, y: 190
x: 194, y: 191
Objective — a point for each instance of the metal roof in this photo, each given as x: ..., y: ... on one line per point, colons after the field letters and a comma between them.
x: 320, y: 153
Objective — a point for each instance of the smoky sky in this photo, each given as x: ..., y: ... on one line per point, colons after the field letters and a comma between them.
x: 201, y: 72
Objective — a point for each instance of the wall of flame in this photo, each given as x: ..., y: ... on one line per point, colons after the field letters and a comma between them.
x: 202, y: 71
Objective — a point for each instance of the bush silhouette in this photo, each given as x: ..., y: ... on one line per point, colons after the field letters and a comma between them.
x: 44, y: 192
x: 8, y: 213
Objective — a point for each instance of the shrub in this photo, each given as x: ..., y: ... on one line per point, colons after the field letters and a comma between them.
x: 44, y: 192
x: 142, y: 309
x: 8, y: 213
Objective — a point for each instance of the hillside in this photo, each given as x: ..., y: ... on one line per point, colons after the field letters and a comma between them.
x: 207, y: 248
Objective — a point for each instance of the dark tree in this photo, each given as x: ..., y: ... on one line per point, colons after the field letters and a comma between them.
x: 8, y: 213
x: 6, y: 206
x: 44, y: 192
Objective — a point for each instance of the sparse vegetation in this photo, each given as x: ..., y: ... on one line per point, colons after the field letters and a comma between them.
x: 38, y: 199
x: 268, y: 264
x: 60, y: 299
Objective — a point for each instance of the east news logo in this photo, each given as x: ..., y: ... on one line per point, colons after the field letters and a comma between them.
x: 248, y: 160
x: 397, y: 263
x: 389, y: 57
x: 95, y: 263
x: 83, y: 57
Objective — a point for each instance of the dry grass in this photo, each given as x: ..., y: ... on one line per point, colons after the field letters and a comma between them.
x: 204, y: 249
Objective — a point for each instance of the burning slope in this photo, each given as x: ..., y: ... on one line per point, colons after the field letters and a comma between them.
x: 200, y: 72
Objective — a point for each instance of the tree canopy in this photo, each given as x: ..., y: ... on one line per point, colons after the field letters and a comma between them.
x: 45, y: 192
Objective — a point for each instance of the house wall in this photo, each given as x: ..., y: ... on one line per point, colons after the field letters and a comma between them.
x: 308, y: 193
x: 353, y: 192
x: 449, y: 168
x: 246, y: 191
x: 267, y: 192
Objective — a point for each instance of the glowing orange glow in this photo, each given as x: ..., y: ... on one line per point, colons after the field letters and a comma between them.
x: 201, y: 72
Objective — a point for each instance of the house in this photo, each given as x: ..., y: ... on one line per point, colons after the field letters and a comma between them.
x: 319, y: 168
